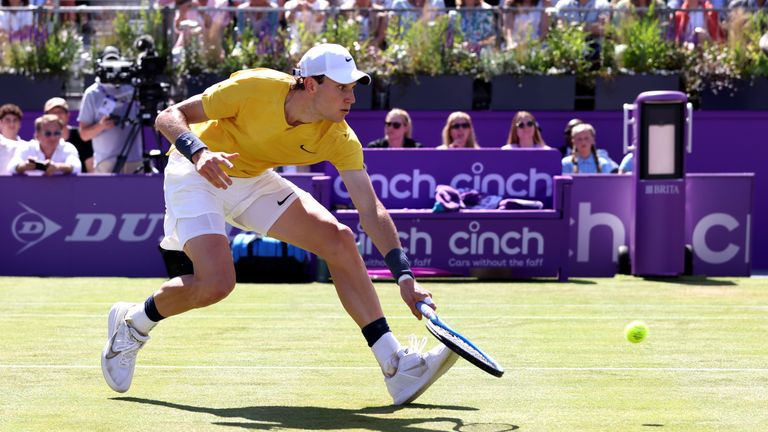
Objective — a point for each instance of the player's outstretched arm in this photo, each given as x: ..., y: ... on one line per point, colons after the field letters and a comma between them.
x: 378, y: 225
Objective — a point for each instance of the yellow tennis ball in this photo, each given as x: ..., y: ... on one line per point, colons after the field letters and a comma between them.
x: 636, y: 331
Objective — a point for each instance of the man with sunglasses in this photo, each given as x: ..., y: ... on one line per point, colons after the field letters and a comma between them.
x: 397, y: 131
x: 48, y: 154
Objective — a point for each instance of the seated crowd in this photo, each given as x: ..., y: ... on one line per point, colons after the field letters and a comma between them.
x: 58, y: 148
x: 485, y: 23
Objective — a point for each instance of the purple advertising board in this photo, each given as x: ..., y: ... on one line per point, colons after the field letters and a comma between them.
x: 92, y: 225
x: 508, y: 244
x: 111, y: 226
x: 718, y: 214
x: 716, y: 147
x: 406, y: 178
x: 719, y: 223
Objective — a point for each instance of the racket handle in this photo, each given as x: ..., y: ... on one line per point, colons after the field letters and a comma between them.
x: 425, y: 310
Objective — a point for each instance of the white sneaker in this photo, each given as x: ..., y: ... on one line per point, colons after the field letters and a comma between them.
x: 416, y: 371
x: 118, y: 359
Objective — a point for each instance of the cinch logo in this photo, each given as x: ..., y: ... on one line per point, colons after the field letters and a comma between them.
x: 588, y: 221
x: 31, y: 227
x: 418, y: 242
x: 474, y: 242
x: 417, y: 184
x: 705, y: 252
x: 656, y: 189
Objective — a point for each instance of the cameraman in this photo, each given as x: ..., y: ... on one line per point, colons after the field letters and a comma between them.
x: 102, y: 110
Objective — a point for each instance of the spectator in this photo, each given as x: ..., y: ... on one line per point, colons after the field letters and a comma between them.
x: 16, y: 25
x: 593, y: 14
x: 697, y: 25
x: 458, y: 132
x: 7, y: 150
x: 565, y: 150
x: 525, y: 133
x: 103, y: 107
x: 408, y: 12
x: 71, y: 134
x: 748, y: 4
x: 304, y: 16
x: 47, y: 154
x: 627, y: 164
x: 476, y: 23
x: 624, y: 7
x: 260, y: 22
x: 371, y: 19
x: 523, y: 21
x: 584, y: 158
x: 398, y: 131
x: 190, y: 24
x: 10, y: 122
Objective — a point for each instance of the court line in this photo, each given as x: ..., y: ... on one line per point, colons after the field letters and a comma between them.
x: 310, y: 368
x: 463, y: 304
x: 258, y: 316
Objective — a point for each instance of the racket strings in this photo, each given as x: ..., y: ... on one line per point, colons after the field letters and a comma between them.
x: 469, y: 349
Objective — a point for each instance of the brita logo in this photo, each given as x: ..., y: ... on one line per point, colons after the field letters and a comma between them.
x: 32, y: 227
x: 417, y: 184
x: 662, y: 189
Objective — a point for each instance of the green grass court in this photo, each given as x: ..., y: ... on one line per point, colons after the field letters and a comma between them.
x: 287, y: 358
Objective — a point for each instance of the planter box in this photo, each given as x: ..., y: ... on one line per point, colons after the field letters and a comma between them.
x: 30, y: 93
x: 363, y: 97
x: 612, y: 93
x: 196, y: 84
x: 533, y: 92
x: 442, y: 92
x: 749, y: 95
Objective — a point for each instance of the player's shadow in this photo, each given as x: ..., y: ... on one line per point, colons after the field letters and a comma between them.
x: 690, y: 280
x: 317, y: 418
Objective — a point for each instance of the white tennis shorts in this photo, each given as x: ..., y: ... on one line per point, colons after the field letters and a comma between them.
x: 194, y: 207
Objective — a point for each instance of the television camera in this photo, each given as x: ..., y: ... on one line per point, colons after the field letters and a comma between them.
x: 149, y: 93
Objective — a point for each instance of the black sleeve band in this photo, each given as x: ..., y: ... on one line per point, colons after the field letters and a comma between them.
x: 188, y: 144
x: 398, y: 263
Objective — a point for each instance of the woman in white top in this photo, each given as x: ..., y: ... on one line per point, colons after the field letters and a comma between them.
x: 525, y: 133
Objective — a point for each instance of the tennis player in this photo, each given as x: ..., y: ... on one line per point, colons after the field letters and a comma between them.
x: 227, y: 141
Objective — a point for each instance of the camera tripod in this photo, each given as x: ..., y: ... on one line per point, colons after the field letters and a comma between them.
x: 146, y: 118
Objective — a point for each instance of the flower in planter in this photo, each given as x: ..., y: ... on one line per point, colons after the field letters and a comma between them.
x: 722, y: 68
x: 44, y: 52
x: 641, y: 46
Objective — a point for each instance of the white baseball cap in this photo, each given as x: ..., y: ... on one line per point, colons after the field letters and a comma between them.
x: 333, y: 61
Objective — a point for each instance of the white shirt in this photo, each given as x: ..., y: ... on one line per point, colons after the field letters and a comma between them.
x: 7, y: 151
x: 65, y: 153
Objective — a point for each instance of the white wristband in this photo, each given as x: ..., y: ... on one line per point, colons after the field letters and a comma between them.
x: 403, y: 277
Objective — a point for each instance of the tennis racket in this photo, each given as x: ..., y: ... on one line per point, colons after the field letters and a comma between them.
x: 457, y: 342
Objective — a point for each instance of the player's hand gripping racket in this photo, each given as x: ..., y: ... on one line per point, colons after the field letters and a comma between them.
x: 456, y: 342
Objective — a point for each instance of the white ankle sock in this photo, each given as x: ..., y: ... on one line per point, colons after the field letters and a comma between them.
x: 139, y: 319
x: 385, y: 350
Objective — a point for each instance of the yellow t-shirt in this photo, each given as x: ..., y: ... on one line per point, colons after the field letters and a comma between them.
x: 247, y: 116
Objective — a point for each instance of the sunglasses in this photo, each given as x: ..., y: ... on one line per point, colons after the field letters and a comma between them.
x: 49, y: 133
x: 393, y: 124
x: 529, y: 123
x: 460, y: 126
